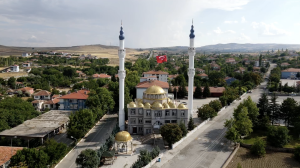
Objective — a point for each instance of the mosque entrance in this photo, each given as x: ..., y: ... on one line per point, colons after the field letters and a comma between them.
x: 134, y: 130
x: 157, y: 124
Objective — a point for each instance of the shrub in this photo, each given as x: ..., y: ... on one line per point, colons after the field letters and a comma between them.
x: 278, y: 136
x: 191, y: 124
x: 216, y: 105
x: 206, y: 112
x: 171, y: 133
x: 258, y: 148
x: 183, y: 129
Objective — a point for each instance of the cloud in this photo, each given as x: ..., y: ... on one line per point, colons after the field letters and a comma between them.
x: 268, y: 29
x: 244, y: 37
x: 230, y: 21
x: 219, y: 31
x: 243, y: 20
x: 297, y: 24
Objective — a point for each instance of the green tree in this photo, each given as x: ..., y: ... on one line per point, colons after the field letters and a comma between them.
x: 180, y: 79
x: 55, y: 150
x: 242, y: 122
x: 232, y: 134
x: 263, y: 105
x: 171, y: 133
x: 278, y: 136
x: 191, y: 124
x: 206, y: 112
x: 274, y: 112
x: 216, y: 105
x: 11, y: 82
x: 183, y: 129
x: 32, y: 157
x: 252, y: 110
x: 88, y: 159
x: 55, y: 91
x: 288, y: 110
x: 198, y: 92
x: 69, y: 72
x: 206, y: 91
x: 182, y: 92
x: 215, y: 77
x: 258, y: 148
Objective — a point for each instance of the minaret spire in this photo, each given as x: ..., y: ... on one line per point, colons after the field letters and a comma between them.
x: 191, y: 70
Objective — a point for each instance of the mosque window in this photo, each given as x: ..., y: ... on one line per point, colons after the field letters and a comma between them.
x: 167, y: 113
x: 173, y: 112
x: 173, y: 121
x: 148, y: 113
x: 140, y: 129
x: 140, y: 111
x: 132, y: 111
x: 182, y: 113
x: 167, y: 121
x: 133, y: 121
x: 140, y: 121
x: 148, y: 121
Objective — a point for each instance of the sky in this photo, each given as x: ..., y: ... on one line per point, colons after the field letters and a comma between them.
x: 147, y: 23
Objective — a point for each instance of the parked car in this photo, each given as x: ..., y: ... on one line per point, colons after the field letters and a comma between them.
x: 249, y: 91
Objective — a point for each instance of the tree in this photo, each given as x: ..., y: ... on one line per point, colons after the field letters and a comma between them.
x: 55, y: 150
x: 198, y: 92
x: 113, y: 78
x: 11, y: 82
x: 278, y: 136
x: 34, y: 158
x: 55, y: 91
x: 179, y: 79
x: 288, y: 110
x: 263, y: 105
x: 191, y: 124
x: 183, y: 129
x: 182, y: 92
x: 252, y: 110
x: 215, y: 77
x: 206, y: 112
x: 242, y: 122
x: 69, y: 72
x: 274, y: 111
x: 206, y: 91
x: 232, y: 134
x: 258, y: 148
x: 297, y: 153
x: 171, y: 133
x: 216, y: 105
x: 88, y: 158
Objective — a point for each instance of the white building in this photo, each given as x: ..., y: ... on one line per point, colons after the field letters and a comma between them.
x: 25, y: 54
x: 143, y: 79
x: 27, y: 64
x: 143, y: 86
x: 160, y: 75
x: 256, y: 63
x: 14, y: 68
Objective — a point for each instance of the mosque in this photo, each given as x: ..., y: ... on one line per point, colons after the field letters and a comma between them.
x: 148, y: 114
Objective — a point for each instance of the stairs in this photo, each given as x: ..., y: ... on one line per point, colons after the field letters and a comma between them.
x: 147, y: 139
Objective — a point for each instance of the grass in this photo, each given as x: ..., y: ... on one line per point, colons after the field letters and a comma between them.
x: 271, y: 160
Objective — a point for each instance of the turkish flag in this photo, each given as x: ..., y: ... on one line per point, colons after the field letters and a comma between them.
x: 161, y: 59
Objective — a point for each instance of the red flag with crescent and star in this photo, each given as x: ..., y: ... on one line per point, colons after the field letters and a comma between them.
x: 161, y: 59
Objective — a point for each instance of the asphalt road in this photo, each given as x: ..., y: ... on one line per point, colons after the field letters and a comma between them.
x: 209, y: 148
x: 93, y: 140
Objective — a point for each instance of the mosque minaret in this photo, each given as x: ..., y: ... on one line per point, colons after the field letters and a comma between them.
x: 191, y: 71
x: 121, y: 75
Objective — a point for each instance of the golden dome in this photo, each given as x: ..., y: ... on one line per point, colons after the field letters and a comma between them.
x: 157, y: 105
x: 140, y: 104
x: 168, y: 100
x: 131, y: 105
x: 155, y: 90
x: 166, y: 106
x: 123, y: 136
x: 147, y: 106
x: 181, y: 106
x: 172, y: 105
x: 139, y: 100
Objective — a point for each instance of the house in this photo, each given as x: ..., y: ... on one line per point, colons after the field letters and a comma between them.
x: 42, y: 95
x: 20, y: 84
x: 143, y: 86
x: 103, y: 76
x: 143, y: 79
x: 81, y: 74
x: 27, y: 69
x: 160, y: 75
x: 257, y: 69
x: 171, y: 77
x: 229, y: 80
x: 289, y: 73
x: 26, y: 64
x: 74, y: 101
x: 27, y: 90
x: 285, y: 64
x: 240, y: 70
x: 230, y: 61
x: 25, y: 54
x: 6, y: 153
x: 215, y: 66
x: 203, y: 76
x: 256, y: 63
x: 199, y: 70
x: 51, y: 104
x: 14, y: 68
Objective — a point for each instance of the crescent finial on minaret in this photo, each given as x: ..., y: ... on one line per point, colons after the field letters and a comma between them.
x: 121, y: 36
x: 192, y: 35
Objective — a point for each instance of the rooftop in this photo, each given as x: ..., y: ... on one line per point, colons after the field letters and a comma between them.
x: 42, y: 93
x: 6, y: 152
x: 156, y: 72
x: 39, y: 126
x: 101, y: 76
x: 81, y: 94
x: 291, y: 70
x: 147, y: 84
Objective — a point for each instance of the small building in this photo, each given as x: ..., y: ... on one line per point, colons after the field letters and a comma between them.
x: 229, y: 80
x: 240, y: 70
x: 230, y: 61
x: 199, y: 70
x: 26, y: 64
x: 27, y: 90
x: 143, y: 79
x: 25, y: 54
x: 216, y: 91
x: 14, y: 68
x: 256, y: 63
x: 289, y: 73
x: 103, y: 76
x: 171, y: 77
x: 42, y: 95
x: 285, y: 64
x: 160, y: 75
x: 74, y: 101
x: 215, y: 66
x: 6, y: 153
x: 143, y: 86
x: 51, y: 104
x: 203, y: 76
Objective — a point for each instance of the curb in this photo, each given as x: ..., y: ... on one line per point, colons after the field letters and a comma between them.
x: 231, y: 156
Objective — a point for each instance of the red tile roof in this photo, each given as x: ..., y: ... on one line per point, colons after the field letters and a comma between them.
x: 202, y: 75
x: 173, y: 76
x: 81, y: 94
x: 6, y: 152
x: 291, y: 70
x: 156, y: 72
x: 147, y: 84
x: 42, y: 93
x: 24, y: 89
x: 55, y: 96
x: 101, y: 76
x: 53, y: 101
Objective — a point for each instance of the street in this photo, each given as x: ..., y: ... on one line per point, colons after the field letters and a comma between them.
x: 207, y: 147
x: 93, y: 140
